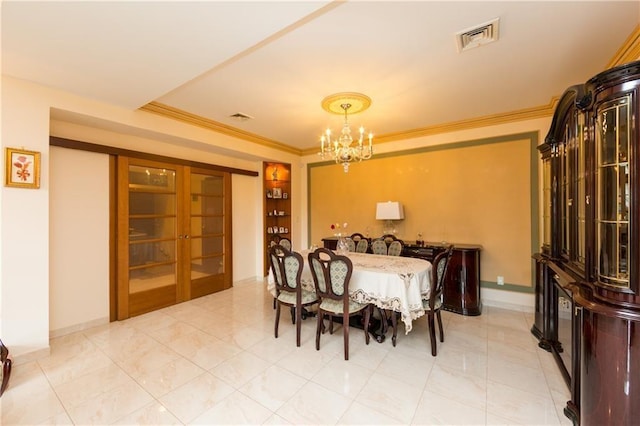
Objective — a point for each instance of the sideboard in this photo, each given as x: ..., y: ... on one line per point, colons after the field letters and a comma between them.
x: 462, y: 284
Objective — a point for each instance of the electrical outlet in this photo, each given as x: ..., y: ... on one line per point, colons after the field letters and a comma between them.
x: 500, y: 280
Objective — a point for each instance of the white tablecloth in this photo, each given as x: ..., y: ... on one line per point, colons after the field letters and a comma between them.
x: 389, y: 282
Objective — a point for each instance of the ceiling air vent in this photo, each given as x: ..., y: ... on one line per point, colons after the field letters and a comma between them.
x: 238, y: 116
x: 479, y: 35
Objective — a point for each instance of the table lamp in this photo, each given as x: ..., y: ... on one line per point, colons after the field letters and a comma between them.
x: 389, y: 211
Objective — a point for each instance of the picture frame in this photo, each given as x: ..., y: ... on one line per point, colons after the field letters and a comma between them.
x: 285, y: 195
x: 277, y: 192
x: 22, y: 168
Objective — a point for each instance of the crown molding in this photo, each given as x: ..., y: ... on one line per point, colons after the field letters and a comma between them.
x: 489, y: 120
x: 629, y: 52
x: 196, y: 120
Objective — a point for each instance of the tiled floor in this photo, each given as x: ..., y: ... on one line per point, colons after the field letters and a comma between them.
x: 214, y: 360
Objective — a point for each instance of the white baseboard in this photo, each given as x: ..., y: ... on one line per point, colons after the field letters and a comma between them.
x: 251, y: 280
x: 512, y: 300
x: 27, y: 355
x: 78, y: 327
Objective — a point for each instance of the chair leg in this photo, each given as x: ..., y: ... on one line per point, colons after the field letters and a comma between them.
x: 394, y: 325
x: 274, y: 303
x: 440, y: 326
x: 330, y: 324
x: 318, y: 328
x: 298, y: 321
x: 277, y: 318
x: 384, y: 320
x: 293, y: 315
x: 345, y: 333
x: 367, y: 318
x: 432, y: 333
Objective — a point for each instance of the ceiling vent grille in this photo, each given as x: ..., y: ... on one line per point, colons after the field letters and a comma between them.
x: 479, y: 35
x: 238, y: 116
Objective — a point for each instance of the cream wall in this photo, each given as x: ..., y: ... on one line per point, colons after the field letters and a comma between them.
x: 25, y: 277
x: 78, y: 239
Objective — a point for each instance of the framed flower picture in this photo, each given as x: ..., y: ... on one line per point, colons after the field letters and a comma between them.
x: 22, y: 168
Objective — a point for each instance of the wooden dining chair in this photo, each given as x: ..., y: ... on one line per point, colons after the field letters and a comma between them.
x: 433, y: 306
x: 331, y: 275
x: 395, y: 248
x: 362, y: 246
x: 289, y: 290
x: 286, y: 243
x: 379, y: 247
x: 356, y: 236
x: 6, y: 368
x: 351, y: 245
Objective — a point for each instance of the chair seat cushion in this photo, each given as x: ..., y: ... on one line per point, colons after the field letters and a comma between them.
x: 336, y: 306
x: 290, y: 297
x: 438, y: 305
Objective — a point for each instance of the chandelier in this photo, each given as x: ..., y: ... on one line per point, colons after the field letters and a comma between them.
x: 340, y: 149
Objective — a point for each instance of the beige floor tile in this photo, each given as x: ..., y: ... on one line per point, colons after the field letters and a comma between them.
x: 434, y: 409
x: 111, y: 405
x: 214, y: 360
x: 240, y: 369
x: 467, y: 389
x: 273, y: 387
x: 520, y: 406
x: 195, y: 397
x: 151, y: 414
x: 314, y: 405
x: 390, y: 396
x: 360, y: 414
x: 235, y: 409
x: 168, y: 377
x: 345, y: 378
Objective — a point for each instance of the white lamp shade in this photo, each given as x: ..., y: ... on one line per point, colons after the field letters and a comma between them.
x: 390, y: 210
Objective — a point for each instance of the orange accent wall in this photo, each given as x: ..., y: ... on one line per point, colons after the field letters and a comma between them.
x: 474, y: 194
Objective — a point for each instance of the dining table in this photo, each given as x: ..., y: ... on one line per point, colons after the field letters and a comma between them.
x: 391, y: 283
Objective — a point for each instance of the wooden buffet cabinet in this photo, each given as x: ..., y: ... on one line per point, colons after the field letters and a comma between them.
x: 588, y: 270
x: 461, y: 292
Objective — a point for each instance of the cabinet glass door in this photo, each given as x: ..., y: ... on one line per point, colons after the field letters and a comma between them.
x: 546, y: 204
x: 612, y: 177
x: 581, y: 203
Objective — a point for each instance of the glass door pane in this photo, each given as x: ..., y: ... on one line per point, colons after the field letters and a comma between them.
x: 153, y: 236
x: 612, y: 214
x: 207, y: 237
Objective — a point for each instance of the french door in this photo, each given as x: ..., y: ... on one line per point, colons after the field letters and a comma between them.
x: 173, y: 234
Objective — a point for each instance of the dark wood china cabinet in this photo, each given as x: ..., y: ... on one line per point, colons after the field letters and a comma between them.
x: 587, y: 278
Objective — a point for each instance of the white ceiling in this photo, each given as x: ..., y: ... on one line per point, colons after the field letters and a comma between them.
x: 276, y: 60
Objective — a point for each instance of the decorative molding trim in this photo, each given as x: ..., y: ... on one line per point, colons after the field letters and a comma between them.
x: 196, y: 120
x: 490, y: 120
x: 629, y: 52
